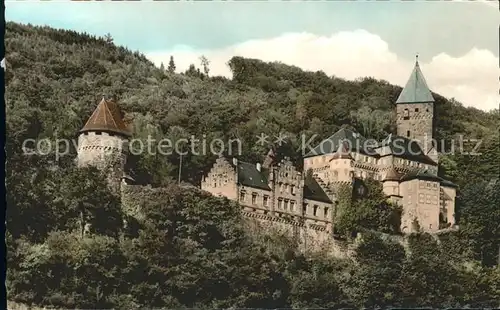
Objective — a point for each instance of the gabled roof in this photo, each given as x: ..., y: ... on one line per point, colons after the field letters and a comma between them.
x: 106, y: 117
x: 354, y: 140
x: 313, y: 191
x: 421, y: 174
x: 248, y: 175
x: 405, y: 148
x: 416, y: 89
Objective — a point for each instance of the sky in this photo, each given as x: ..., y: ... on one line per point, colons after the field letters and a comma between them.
x: 457, y: 41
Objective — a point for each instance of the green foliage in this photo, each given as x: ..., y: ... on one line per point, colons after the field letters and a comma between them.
x: 190, y: 249
x: 371, y: 212
x: 479, y: 218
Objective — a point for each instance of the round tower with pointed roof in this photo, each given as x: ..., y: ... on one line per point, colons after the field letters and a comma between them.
x: 341, y: 164
x: 390, y: 183
x: 103, y: 142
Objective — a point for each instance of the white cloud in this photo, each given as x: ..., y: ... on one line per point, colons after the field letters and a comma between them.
x: 471, y: 79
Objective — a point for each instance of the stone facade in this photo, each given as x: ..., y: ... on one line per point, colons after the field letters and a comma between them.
x: 415, y: 121
x: 106, y: 151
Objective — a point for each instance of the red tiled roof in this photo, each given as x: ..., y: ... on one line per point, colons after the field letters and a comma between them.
x: 106, y: 117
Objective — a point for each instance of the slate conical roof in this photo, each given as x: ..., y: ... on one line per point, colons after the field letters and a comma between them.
x: 106, y: 117
x: 416, y: 89
x: 392, y: 175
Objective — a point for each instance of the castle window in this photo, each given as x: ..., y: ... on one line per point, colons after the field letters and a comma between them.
x: 292, y: 189
x: 406, y: 114
x: 254, y: 198
x: 408, y: 133
x: 265, y: 200
x: 426, y: 110
x: 281, y: 187
x: 304, y: 209
x: 326, y: 212
x: 286, y: 204
x: 242, y: 196
x: 416, y: 109
x: 286, y: 188
x: 315, y: 210
x: 280, y: 203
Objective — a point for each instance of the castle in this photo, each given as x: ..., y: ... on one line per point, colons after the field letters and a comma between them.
x: 406, y: 163
x: 304, y: 205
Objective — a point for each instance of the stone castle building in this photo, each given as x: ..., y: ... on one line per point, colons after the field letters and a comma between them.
x: 304, y: 205
x: 406, y: 163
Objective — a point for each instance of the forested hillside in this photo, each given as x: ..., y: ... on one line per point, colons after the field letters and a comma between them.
x: 191, y: 249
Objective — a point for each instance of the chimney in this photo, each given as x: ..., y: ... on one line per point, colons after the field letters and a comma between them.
x: 235, y: 161
x: 258, y: 167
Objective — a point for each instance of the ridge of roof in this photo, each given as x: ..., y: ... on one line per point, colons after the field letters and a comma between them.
x: 421, y: 174
x: 331, y: 144
x: 406, y: 148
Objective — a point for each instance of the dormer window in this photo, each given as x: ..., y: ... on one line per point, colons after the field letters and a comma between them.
x: 406, y: 114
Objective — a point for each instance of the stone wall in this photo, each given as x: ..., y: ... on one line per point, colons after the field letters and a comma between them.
x: 309, y: 237
x: 105, y: 151
x: 415, y: 121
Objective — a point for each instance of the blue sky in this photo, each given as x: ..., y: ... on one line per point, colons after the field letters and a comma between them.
x: 443, y: 33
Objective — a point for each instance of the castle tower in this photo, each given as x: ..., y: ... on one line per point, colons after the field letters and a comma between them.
x: 341, y: 164
x: 415, y: 112
x: 103, y: 142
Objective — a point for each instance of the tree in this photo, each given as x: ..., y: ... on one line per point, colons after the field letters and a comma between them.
x: 191, y: 71
x: 205, y: 64
x: 171, y: 65
x: 108, y: 38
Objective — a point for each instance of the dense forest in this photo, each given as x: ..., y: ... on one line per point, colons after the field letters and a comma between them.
x: 191, y: 249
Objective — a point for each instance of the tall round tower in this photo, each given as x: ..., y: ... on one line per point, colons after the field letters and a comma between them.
x: 103, y: 142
